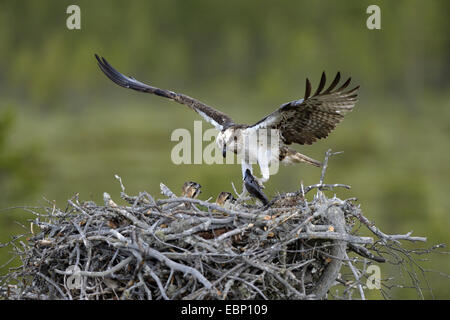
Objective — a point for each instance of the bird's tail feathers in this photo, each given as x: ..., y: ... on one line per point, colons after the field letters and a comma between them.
x: 292, y: 156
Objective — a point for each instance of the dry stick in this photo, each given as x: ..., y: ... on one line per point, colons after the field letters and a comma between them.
x: 157, y: 280
x: 200, y: 227
x: 344, y: 236
x: 336, y: 217
x: 223, y: 276
x: 169, y: 278
x: 166, y: 191
x: 233, y: 232
x: 128, y: 290
x: 227, y: 288
x: 120, y: 181
x: 301, y: 264
x: 214, y: 259
x: 384, y: 236
x: 280, y: 221
x: 147, y: 290
x: 274, y: 273
x: 335, y: 236
x: 128, y: 215
x: 328, y: 154
x: 52, y: 283
x: 250, y: 285
x: 150, y: 252
x: 133, y: 200
x: 105, y: 273
x: 322, y: 186
x: 357, y: 277
x: 362, y: 251
x: 211, y: 206
x: 89, y: 256
x: 318, y: 213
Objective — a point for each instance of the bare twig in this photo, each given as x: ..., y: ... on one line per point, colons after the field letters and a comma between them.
x: 184, y: 248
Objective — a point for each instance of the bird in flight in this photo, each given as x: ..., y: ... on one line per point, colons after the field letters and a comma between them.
x: 302, y: 121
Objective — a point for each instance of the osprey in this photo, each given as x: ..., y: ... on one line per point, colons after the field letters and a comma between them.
x: 190, y: 189
x: 225, y: 199
x: 300, y: 121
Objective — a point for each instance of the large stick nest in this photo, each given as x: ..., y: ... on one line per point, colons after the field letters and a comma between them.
x: 185, y: 248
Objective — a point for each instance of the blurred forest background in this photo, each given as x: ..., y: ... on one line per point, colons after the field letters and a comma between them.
x: 66, y: 129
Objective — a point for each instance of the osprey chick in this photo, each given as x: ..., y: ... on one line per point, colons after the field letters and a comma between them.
x: 225, y: 199
x: 190, y: 189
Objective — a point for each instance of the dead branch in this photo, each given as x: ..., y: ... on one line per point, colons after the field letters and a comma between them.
x: 184, y: 248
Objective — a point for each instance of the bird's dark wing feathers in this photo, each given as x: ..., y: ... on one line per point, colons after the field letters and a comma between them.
x: 313, y: 117
x: 213, y: 116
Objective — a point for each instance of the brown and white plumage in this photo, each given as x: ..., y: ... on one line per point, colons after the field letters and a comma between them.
x: 190, y: 189
x: 302, y: 121
x: 216, y: 118
x: 291, y: 156
x: 225, y: 199
x: 313, y: 117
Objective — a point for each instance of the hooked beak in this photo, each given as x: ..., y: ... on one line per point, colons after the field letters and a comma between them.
x: 224, y: 150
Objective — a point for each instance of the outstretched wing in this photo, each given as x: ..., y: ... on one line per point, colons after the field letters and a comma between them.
x: 313, y: 117
x: 213, y: 116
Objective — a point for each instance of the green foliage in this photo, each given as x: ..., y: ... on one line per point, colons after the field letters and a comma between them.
x: 19, y: 167
x: 20, y: 176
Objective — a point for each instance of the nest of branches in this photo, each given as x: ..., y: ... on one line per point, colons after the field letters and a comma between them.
x: 186, y: 248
